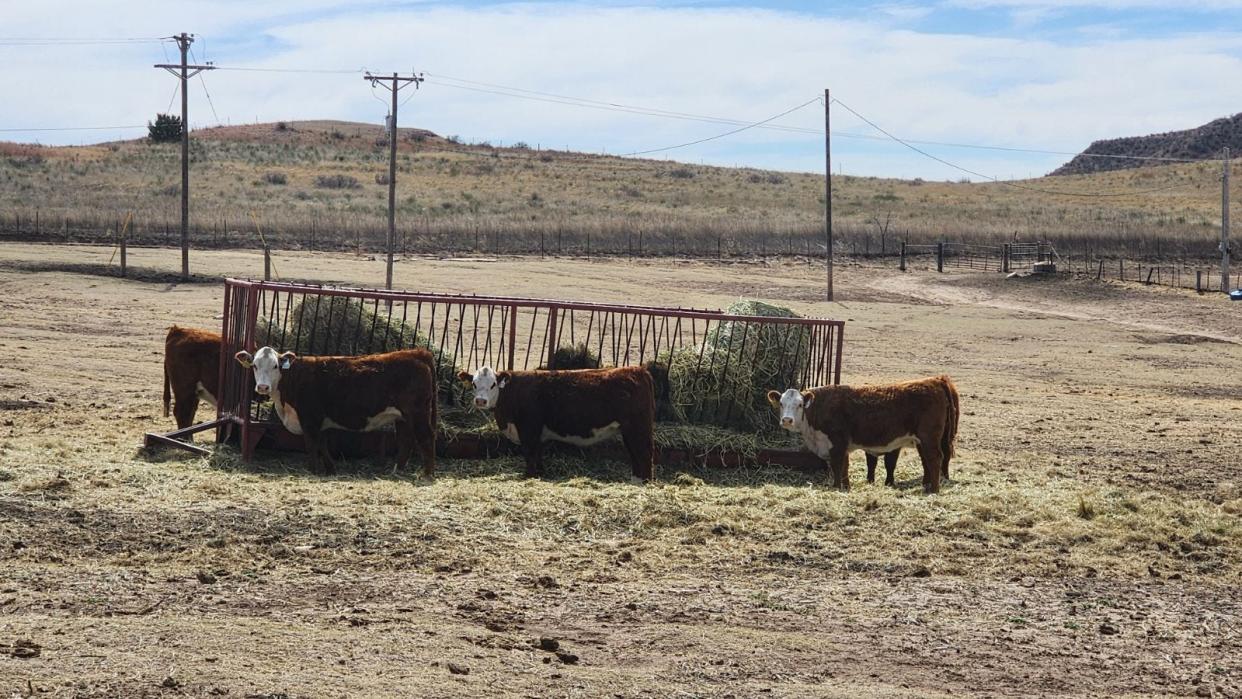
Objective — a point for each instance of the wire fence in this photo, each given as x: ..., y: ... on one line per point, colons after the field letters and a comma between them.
x: 1199, y: 275
x: 619, y: 236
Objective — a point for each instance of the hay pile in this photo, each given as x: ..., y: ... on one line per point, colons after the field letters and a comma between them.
x: 727, y: 385
x: 343, y: 326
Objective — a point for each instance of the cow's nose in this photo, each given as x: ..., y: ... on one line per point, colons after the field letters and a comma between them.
x: 263, y: 388
x: 480, y: 402
x: 786, y: 421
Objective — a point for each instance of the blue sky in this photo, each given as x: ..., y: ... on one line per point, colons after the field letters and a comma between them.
x: 1039, y: 74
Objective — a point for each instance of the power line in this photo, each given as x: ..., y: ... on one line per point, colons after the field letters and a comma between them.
x: 521, y: 93
x: 204, y: 83
x: 51, y: 41
x: 997, y: 180
x: 727, y: 133
x: 250, y: 69
x: 73, y: 128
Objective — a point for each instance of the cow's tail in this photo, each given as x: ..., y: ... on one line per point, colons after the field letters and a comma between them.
x: 167, y: 393
x: 951, y: 418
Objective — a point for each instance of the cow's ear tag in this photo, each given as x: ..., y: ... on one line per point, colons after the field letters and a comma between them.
x: 285, y: 364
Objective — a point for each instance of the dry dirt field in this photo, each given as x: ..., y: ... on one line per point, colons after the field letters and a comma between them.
x: 1090, y: 543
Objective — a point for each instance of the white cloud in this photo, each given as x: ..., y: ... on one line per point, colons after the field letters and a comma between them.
x: 741, y: 63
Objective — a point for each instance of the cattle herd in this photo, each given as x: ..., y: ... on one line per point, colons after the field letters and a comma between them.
x: 576, y: 406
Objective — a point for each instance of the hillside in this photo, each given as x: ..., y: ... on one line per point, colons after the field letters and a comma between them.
x: 323, y: 184
x: 1205, y: 141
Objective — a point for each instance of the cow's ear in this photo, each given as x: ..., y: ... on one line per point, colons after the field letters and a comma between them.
x: 243, y: 358
x: 286, y: 360
x: 465, y: 376
x: 774, y: 397
x: 807, y: 399
x: 502, y: 378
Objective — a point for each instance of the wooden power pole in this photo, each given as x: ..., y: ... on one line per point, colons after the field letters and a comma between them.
x: 1224, y: 224
x: 394, y: 84
x: 828, y: 187
x: 183, y: 71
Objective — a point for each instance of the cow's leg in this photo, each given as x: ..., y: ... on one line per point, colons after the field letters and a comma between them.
x: 640, y: 444
x: 423, y: 435
x: 185, y: 405
x: 871, y: 462
x: 839, y: 461
x: 317, y: 447
x: 531, y: 439
x: 890, y: 467
x: 929, y: 452
x: 403, y: 434
x: 944, y: 466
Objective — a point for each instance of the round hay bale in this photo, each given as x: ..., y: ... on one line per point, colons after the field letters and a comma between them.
x: 726, y: 380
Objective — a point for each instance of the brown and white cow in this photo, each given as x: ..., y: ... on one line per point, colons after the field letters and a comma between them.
x: 191, y: 371
x: 311, y: 394
x: 836, y: 420
x: 581, y: 407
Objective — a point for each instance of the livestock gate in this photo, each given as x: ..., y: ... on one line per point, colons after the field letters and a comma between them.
x: 719, y: 350
x: 984, y: 258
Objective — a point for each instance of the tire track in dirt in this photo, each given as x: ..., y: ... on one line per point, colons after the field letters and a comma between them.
x: 955, y: 294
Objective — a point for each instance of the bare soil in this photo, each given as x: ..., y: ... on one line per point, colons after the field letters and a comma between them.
x: 1090, y: 543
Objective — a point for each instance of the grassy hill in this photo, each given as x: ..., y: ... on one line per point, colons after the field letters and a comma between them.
x: 322, y: 183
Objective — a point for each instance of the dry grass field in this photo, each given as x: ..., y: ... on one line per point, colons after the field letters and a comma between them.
x: 1090, y: 543
x: 299, y: 176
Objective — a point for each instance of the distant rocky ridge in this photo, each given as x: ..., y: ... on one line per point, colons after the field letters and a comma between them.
x: 1205, y: 141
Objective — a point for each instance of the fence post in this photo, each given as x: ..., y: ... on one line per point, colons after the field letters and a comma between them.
x: 1121, y: 269
x: 588, y: 245
x: 124, y: 260
x: 940, y: 257
x: 1099, y: 274
x: 902, y: 266
x: 1005, y: 258
x: 1198, y: 281
x: 37, y: 223
x: 267, y: 264
x: 718, y: 247
x: 541, y: 250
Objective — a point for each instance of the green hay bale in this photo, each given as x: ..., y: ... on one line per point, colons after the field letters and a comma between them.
x: 726, y: 380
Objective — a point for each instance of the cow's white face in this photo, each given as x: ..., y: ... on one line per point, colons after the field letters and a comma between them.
x: 791, y: 405
x: 487, y: 385
x: 267, y: 366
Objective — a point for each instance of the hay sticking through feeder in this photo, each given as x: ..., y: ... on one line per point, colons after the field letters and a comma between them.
x: 335, y: 325
x: 725, y: 381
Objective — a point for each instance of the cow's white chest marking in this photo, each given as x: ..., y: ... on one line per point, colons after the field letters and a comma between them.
x: 512, y: 433
x: 817, y: 442
x: 287, y: 414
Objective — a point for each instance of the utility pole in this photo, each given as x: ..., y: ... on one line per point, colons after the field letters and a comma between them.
x: 182, y: 71
x: 1224, y: 224
x: 828, y: 187
x: 394, y: 84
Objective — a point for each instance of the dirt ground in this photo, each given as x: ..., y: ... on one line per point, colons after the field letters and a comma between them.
x: 1090, y: 543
